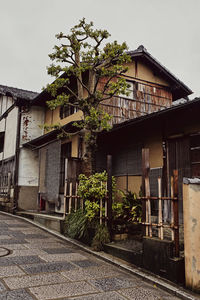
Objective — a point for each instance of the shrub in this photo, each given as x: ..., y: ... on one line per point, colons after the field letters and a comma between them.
x: 101, y: 237
x: 77, y: 225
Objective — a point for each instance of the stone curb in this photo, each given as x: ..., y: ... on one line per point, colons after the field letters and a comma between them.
x: 154, y: 279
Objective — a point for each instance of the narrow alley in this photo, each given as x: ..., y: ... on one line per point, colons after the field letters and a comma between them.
x: 41, y: 266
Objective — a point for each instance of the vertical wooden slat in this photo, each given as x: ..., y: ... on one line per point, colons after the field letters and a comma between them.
x: 76, y: 199
x: 70, y: 197
x: 101, y: 207
x: 65, y: 197
x: 106, y: 206
x: 160, y: 218
x: 148, y: 206
x: 145, y: 189
x: 9, y: 184
x: 176, y: 216
x: 172, y: 208
x: 109, y: 186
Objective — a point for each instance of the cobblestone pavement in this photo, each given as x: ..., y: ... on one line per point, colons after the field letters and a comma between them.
x: 41, y: 266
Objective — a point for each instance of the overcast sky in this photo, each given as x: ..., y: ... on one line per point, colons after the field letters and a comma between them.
x: 169, y: 29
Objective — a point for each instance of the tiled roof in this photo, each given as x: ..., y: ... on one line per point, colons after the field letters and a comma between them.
x: 17, y: 93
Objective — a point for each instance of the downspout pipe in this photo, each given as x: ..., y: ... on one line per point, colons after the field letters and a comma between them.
x: 16, y: 169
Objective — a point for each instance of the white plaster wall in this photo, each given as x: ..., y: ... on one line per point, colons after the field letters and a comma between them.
x: 6, y: 102
x: 2, y: 129
x: 8, y: 125
x: 28, y: 167
x: 10, y: 133
x: 31, y: 123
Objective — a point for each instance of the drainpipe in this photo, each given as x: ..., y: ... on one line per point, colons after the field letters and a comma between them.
x: 16, y: 169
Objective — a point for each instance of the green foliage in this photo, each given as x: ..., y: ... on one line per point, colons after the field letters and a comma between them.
x: 133, y: 205
x: 101, y: 237
x: 77, y: 225
x: 93, y: 188
x: 83, y: 54
x: 91, y: 209
x: 129, y: 210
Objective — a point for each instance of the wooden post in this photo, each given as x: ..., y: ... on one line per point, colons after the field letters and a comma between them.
x: 176, y: 217
x: 106, y: 206
x: 160, y: 217
x: 109, y: 187
x: 76, y: 199
x: 70, y: 197
x: 65, y: 199
x: 101, y: 207
x: 146, y: 206
x: 9, y: 184
x: 172, y: 207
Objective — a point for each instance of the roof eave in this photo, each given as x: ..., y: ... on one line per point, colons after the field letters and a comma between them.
x: 180, y: 89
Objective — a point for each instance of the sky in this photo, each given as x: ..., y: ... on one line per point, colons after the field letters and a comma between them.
x: 169, y: 29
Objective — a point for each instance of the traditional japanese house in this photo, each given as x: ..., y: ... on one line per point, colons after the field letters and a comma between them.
x: 152, y: 89
x: 19, y: 123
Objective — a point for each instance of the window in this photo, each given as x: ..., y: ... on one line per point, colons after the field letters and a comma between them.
x: 131, y: 89
x: 195, y: 154
x: 2, y: 136
x: 67, y: 110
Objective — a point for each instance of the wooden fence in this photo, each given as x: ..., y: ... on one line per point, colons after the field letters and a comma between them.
x: 173, y: 225
x: 5, y: 184
x: 73, y: 202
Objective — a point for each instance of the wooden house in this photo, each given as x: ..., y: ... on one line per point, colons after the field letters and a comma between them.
x: 152, y: 89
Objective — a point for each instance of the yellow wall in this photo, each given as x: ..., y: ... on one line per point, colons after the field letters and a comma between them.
x: 155, y: 151
x: 145, y: 73
x: 74, y: 140
x: 52, y: 117
x: 134, y: 183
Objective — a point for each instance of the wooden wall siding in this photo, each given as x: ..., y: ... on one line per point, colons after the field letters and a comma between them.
x: 128, y: 161
x: 6, y: 167
x: 179, y: 158
x: 147, y: 99
x: 50, y: 170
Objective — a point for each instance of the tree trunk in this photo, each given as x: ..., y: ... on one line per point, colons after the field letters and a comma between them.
x: 89, y: 158
x: 79, y: 80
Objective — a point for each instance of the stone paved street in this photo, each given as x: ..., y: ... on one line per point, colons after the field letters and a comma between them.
x: 41, y: 266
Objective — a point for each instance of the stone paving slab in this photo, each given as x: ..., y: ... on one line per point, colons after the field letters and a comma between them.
x: 44, y: 246
x: 13, y: 247
x: 10, y: 271
x: 20, y: 260
x: 102, y: 296
x: 41, y: 241
x: 34, y: 280
x: 113, y: 283
x: 26, y: 252
x: 85, y: 263
x: 16, y: 295
x: 2, y: 287
x: 12, y: 241
x: 35, y: 236
x: 63, y: 257
x: 92, y: 273
x: 58, y: 250
x: 5, y: 237
x: 146, y: 293
x: 57, y: 291
x: 47, y: 267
